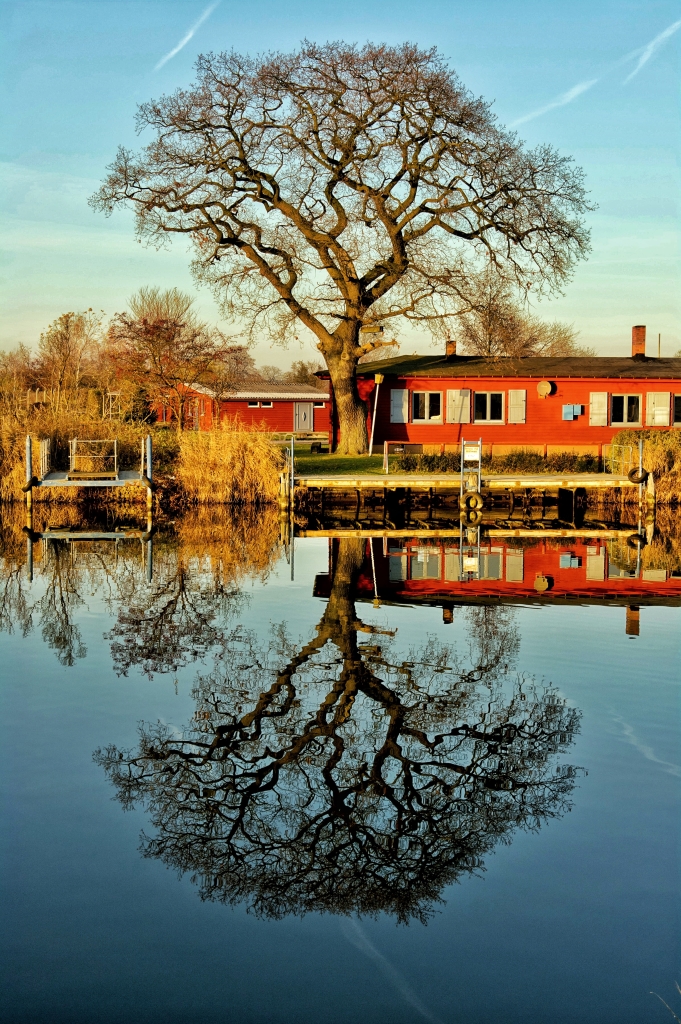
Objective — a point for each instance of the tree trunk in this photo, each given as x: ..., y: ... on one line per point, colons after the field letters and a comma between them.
x: 352, y: 411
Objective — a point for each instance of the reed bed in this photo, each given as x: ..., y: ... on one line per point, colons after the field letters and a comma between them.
x: 229, y: 466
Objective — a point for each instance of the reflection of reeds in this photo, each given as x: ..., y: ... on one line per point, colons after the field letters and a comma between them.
x: 231, y: 465
x: 234, y: 546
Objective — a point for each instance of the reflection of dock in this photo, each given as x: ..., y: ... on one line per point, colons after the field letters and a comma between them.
x: 75, y: 537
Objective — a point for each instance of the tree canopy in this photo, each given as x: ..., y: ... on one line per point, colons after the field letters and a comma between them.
x: 340, y: 186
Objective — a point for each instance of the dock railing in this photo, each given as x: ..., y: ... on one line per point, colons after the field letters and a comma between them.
x: 619, y: 458
x: 93, y: 459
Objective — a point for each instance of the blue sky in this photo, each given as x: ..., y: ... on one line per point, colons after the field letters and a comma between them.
x: 73, y: 73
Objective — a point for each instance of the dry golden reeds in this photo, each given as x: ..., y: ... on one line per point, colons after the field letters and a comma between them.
x: 230, y: 465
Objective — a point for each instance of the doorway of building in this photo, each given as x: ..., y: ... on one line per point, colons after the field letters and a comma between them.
x: 302, y: 417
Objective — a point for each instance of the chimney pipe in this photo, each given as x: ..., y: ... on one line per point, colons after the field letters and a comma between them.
x: 450, y: 348
x: 638, y: 342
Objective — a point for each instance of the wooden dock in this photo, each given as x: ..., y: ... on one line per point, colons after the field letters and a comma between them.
x: 451, y: 481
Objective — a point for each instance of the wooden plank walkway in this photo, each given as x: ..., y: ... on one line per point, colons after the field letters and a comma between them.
x: 445, y: 534
x: 451, y: 481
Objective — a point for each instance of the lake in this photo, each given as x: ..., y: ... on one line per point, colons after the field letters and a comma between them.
x: 340, y: 779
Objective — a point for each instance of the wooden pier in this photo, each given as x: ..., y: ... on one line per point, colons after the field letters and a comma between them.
x: 450, y: 481
x: 105, y: 476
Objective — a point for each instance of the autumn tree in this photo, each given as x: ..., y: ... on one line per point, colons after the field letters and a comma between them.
x: 342, y: 775
x: 497, y: 324
x: 63, y: 352
x: 340, y: 187
x: 161, y: 346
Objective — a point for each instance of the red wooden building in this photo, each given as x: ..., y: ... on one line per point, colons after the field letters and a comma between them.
x: 280, y: 408
x: 543, y: 404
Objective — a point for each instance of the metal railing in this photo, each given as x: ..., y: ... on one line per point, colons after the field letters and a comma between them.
x: 90, y: 458
x: 45, y: 457
x: 619, y: 458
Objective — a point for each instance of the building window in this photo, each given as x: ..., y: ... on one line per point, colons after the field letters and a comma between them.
x: 677, y: 410
x: 266, y: 405
x: 254, y: 405
x: 488, y: 407
x: 625, y: 410
x: 319, y: 405
x: 426, y: 406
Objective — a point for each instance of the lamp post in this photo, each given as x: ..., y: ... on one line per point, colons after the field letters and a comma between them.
x: 378, y: 377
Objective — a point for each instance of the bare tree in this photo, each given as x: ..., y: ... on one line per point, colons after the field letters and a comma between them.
x: 163, y: 348
x: 339, y: 187
x: 497, y: 325
x: 64, y: 349
x: 341, y: 776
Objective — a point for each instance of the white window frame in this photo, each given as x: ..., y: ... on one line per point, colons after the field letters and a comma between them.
x: 319, y: 405
x: 625, y: 422
x: 254, y: 405
x: 428, y: 418
x: 267, y: 405
x: 503, y: 406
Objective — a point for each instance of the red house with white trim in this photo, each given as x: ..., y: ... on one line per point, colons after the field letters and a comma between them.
x: 543, y: 404
x: 279, y: 408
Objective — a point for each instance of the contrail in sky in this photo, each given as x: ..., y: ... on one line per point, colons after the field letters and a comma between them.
x: 185, y: 39
x: 644, y: 53
x: 561, y: 101
x: 649, y: 50
x: 355, y: 934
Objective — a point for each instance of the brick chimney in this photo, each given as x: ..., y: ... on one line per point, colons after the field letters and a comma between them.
x: 638, y: 342
x: 450, y: 347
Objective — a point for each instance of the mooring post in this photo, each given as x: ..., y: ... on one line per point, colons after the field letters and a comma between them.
x: 150, y: 477
x: 29, y: 472
x: 150, y: 560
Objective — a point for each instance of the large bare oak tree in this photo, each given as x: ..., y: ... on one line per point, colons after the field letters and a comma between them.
x: 340, y: 187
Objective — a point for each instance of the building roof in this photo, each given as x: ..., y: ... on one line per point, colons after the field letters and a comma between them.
x: 539, y: 367
x: 257, y: 391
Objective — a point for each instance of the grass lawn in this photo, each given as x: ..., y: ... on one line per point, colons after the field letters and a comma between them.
x: 335, y: 465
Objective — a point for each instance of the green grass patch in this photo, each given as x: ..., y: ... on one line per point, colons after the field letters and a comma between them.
x: 337, y: 465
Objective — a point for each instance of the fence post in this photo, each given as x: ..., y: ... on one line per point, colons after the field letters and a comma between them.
x: 29, y: 471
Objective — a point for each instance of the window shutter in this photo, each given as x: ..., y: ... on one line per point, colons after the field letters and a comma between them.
x: 514, y: 565
x: 459, y: 406
x: 399, y: 406
x: 657, y: 408
x: 598, y: 409
x: 516, y: 406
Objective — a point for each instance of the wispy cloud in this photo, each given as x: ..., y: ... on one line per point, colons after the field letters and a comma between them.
x: 185, y: 39
x: 560, y: 101
x: 644, y: 53
x: 649, y: 50
x: 355, y: 934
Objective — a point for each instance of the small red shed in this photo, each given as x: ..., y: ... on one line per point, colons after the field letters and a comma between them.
x: 542, y: 404
x: 279, y: 408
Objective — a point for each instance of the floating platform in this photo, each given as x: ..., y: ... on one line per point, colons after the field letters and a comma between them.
x: 64, y: 478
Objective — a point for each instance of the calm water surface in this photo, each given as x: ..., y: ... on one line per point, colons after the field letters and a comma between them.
x: 228, y: 795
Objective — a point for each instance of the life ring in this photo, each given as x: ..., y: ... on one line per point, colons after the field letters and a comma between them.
x: 471, y: 517
x: 638, y: 476
x: 471, y: 500
x: 636, y: 541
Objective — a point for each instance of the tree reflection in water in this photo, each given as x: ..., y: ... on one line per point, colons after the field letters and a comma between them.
x: 342, y: 776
